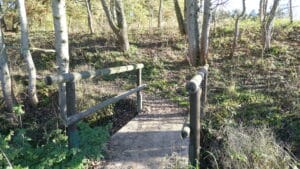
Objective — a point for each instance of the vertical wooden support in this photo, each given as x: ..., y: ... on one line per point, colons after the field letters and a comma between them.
x: 138, y: 94
x: 73, y: 137
x: 194, y: 147
x: 203, y: 95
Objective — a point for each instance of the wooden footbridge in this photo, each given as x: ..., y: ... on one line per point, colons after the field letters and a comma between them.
x: 154, y: 138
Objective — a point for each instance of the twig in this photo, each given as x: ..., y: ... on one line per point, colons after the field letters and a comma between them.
x: 43, y: 50
x: 215, y: 160
x: 9, y: 163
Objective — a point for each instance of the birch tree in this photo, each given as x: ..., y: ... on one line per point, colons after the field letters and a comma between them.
x: 6, y: 83
x: 291, y: 11
x: 26, y: 55
x: 90, y: 16
x: 179, y: 17
x: 160, y: 14
x: 119, y: 26
x: 62, y: 48
x: 205, y: 32
x: 267, y: 23
x: 192, y: 15
x: 236, y: 28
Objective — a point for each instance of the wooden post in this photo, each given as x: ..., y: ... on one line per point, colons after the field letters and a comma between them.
x: 73, y: 137
x: 204, y: 92
x: 138, y: 93
x: 194, y: 147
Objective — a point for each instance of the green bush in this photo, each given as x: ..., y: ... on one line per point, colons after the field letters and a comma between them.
x: 17, y: 150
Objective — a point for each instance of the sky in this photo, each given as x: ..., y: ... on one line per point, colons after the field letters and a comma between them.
x: 254, y: 4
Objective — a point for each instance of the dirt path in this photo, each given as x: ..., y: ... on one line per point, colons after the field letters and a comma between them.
x: 151, y: 140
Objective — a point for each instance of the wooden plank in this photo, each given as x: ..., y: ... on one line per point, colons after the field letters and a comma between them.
x: 74, y: 118
x: 75, y: 76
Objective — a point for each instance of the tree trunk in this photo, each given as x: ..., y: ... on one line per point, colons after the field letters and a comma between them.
x: 122, y: 25
x: 119, y: 28
x: 179, y: 16
x: 291, y: 11
x: 6, y: 83
x: 112, y: 6
x: 25, y: 53
x: 90, y: 16
x: 205, y: 32
x: 160, y: 14
x: 2, y: 18
x: 267, y: 26
x: 62, y: 48
x: 236, y: 29
x: 193, y: 31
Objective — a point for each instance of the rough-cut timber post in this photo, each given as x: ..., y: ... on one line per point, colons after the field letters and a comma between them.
x: 138, y: 93
x: 194, y: 147
x: 73, y: 137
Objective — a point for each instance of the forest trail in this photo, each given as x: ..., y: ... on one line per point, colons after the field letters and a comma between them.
x: 152, y: 140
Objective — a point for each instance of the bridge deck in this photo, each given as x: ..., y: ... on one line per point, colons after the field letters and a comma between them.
x: 151, y: 140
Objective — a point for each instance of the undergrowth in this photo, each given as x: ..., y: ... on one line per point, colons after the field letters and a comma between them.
x: 18, y: 153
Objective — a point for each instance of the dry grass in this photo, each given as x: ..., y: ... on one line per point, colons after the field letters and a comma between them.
x: 250, y: 148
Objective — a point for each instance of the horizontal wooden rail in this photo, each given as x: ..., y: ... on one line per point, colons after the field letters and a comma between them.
x: 75, y: 76
x: 194, y: 84
x: 76, y: 117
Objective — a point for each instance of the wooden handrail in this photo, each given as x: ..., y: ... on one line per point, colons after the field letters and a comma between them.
x: 77, y: 117
x: 197, y: 98
x: 71, y: 78
x: 76, y: 76
x: 194, y: 84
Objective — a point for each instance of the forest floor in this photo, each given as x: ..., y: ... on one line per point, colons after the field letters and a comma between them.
x: 247, y: 94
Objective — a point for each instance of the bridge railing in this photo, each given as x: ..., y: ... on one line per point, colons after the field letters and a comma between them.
x: 69, y: 79
x: 197, y: 88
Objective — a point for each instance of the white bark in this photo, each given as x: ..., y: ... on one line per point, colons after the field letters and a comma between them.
x: 119, y: 28
x: 122, y: 23
x: 291, y: 11
x: 5, y: 75
x: 267, y: 24
x: 90, y: 16
x: 62, y: 48
x: 25, y: 53
x: 192, y: 14
x: 205, y: 32
x: 179, y: 16
x: 160, y: 14
x: 236, y: 28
